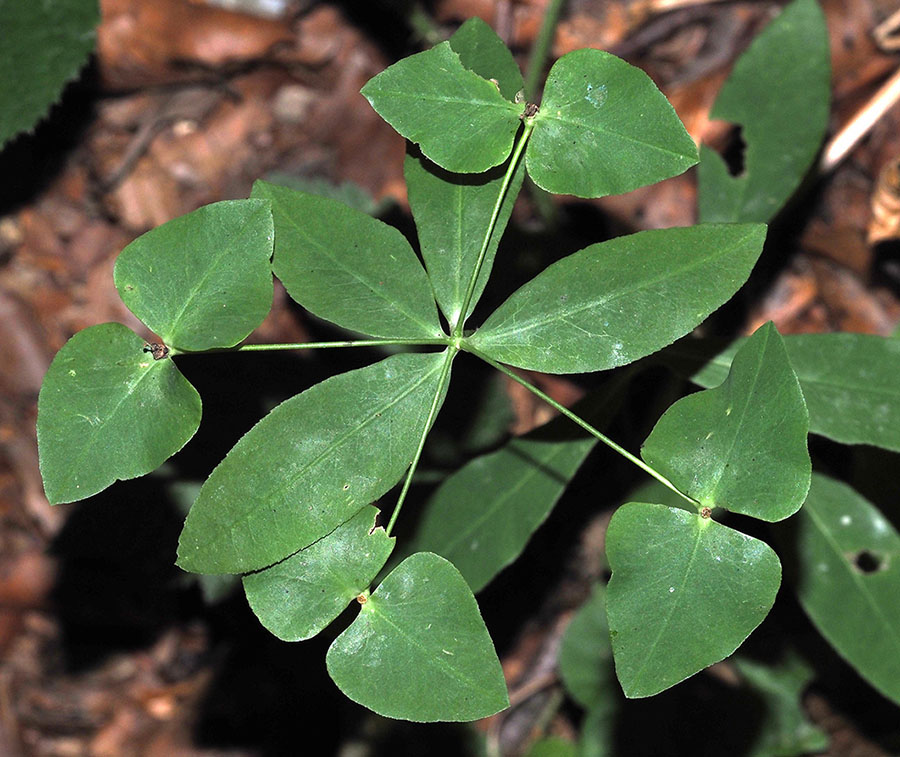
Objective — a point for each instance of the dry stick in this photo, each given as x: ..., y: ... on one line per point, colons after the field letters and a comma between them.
x: 862, y: 122
x: 652, y: 7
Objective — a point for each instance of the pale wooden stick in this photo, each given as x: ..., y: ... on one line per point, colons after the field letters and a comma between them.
x: 862, y: 122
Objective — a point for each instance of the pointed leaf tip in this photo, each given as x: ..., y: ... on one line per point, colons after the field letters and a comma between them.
x: 419, y: 650
x: 742, y: 445
x: 108, y: 411
x: 685, y: 592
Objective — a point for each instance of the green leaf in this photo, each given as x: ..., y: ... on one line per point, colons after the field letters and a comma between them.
x: 311, y: 464
x: 482, y: 516
x: 614, y: 302
x: 419, y: 650
x: 349, y: 268
x: 585, y: 653
x: 742, y: 445
x: 598, y: 729
x: 685, y: 592
x: 460, y: 120
x: 482, y: 51
x: 779, y: 93
x: 347, y: 192
x: 108, y: 411
x: 784, y: 731
x: 849, y: 580
x: 552, y: 746
x: 202, y: 280
x: 849, y: 382
x: 299, y: 596
x: 44, y: 47
x: 604, y: 128
x: 452, y: 212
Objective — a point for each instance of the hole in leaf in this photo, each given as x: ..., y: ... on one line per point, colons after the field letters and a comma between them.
x: 867, y: 562
x: 734, y: 150
x: 728, y: 141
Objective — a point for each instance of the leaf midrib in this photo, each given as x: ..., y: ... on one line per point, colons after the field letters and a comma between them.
x: 495, y: 333
x: 246, y: 230
x: 665, y: 624
x: 604, y: 131
x: 86, y: 449
x: 893, y: 633
x: 430, y: 329
x: 286, y: 484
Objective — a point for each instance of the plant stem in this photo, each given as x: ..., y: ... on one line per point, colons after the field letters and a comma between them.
x: 443, y: 380
x: 541, y: 48
x: 504, y: 187
x: 439, y: 341
x: 583, y: 423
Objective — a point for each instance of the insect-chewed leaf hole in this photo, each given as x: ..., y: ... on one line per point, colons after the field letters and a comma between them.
x: 868, y: 562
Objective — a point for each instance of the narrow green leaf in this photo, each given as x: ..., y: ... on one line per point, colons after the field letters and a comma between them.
x: 299, y: 596
x: 347, y: 267
x: 108, y: 411
x: 599, y: 727
x: 482, y: 51
x: 604, y: 128
x: 685, y: 592
x: 419, y: 650
x: 349, y: 193
x: 202, y: 280
x: 784, y: 729
x: 779, y: 93
x: 311, y: 464
x: 552, y: 746
x: 44, y: 47
x: 614, y: 302
x: 742, y: 445
x: 585, y: 653
x: 849, y: 382
x: 849, y: 580
x: 482, y: 516
x: 452, y: 212
x: 460, y: 120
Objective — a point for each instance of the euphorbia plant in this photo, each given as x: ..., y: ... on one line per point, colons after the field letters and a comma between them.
x: 290, y: 508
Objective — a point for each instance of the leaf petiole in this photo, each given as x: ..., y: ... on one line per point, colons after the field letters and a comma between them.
x: 437, y: 342
x: 457, y: 328
x: 443, y: 380
x: 583, y: 423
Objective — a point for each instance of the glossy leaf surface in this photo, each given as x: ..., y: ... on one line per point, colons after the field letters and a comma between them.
x: 585, y: 654
x: 202, y: 280
x: 604, y: 128
x: 299, y: 596
x: 779, y: 93
x: 742, y: 445
x: 849, y: 382
x: 614, y: 302
x: 452, y: 212
x: 311, y: 464
x: 784, y: 729
x: 685, y: 592
x: 482, y: 516
x: 347, y: 267
x: 460, y: 120
x: 482, y: 51
x: 419, y: 650
x: 849, y: 580
x: 44, y: 47
x: 108, y: 411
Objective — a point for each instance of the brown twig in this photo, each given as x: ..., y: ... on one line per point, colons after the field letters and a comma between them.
x: 842, y: 143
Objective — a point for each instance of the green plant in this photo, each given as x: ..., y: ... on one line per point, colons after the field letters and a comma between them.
x: 290, y: 507
x: 44, y: 47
